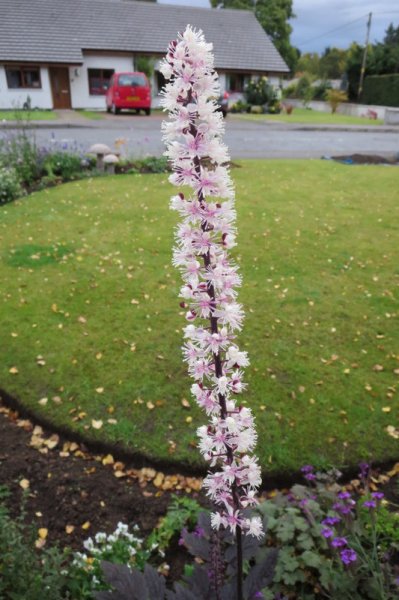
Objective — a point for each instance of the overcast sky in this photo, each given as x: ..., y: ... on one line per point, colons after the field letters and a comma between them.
x: 316, y: 20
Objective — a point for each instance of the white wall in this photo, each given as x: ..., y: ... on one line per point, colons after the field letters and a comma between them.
x: 346, y: 108
x: 15, y: 98
x: 80, y: 96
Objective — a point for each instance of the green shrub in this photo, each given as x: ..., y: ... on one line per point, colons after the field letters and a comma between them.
x: 10, y: 188
x: 19, y: 151
x: 320, y: 90
x: 335, y: 98
x: 382, y: 90
x: 239, y: 107
x: 290, y: 91
x: 304, y: 89
x: 26, y: 572
x: 259, y: 92
x: 66, y: 165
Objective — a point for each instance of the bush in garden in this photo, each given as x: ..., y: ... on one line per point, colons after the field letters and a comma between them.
x: 66, y: 165
x: 19, y: 151
x: 305, y: 90
x: 320, y: 90
x: 335, y: 98
x: 259, y: 92
x: 10, y: 187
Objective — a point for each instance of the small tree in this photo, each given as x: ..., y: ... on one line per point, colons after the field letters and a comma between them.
x: 304, y: 89
x: 335, y: 98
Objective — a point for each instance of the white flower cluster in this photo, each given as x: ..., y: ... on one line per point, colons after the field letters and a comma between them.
x: 210, y: 278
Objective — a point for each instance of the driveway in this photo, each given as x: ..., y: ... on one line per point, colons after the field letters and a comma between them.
x: 246, y: 139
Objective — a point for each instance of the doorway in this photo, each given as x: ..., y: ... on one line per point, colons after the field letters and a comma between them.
x: 60, y: 88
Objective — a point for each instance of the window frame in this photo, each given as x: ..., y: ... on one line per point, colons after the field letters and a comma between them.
x: 101, y: 78
x: 22, y: 70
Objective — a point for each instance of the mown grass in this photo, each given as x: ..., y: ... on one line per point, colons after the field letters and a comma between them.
x: 27, y: 115
x: 313, y: 117
x: 91, y: 319
x: 93, y: 115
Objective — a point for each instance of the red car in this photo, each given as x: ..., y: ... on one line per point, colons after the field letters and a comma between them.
x: 128, y: 90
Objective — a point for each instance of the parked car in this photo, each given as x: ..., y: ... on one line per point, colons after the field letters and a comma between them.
x: 128, y: 91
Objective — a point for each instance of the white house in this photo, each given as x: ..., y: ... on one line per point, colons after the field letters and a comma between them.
x: 62, y: 53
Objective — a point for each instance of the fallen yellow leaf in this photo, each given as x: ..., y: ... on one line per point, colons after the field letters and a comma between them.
x: 24, y: 483
x: 86, y: 525
x: 13, y: 371
x: 108, y: 460
x: 69, y: 529
x: 43, y: 533
x: 96, y: 424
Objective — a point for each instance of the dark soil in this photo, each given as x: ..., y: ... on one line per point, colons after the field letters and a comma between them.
x: 77, y: 489
x: 366, y: 159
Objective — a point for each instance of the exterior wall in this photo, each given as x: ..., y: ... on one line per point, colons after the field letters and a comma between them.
x: 15, y: 98
x: 79, y: 79
x: 346, y: 108
x: 391, y: 116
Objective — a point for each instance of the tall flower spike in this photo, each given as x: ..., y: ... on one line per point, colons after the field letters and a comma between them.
x: 207, y: 231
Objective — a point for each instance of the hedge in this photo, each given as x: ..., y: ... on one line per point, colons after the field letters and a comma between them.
x: 382, y: 90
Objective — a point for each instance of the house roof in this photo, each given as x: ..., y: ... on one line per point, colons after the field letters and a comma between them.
x: 58, y: 31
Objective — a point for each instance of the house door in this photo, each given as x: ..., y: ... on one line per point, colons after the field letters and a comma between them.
x: 59, y: 77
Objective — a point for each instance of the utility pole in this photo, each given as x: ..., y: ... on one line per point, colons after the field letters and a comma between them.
x: 363, y: 69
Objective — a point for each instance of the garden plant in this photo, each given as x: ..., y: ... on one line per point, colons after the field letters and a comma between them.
x: 207, y: 232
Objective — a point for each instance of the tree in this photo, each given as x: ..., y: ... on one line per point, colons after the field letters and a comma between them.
x: 273, y: 15
x: 382, y: 59
x: 309, y: 63
x: 332, y: 63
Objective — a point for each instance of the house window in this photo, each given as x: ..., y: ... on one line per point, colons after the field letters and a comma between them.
x: 99, y: 81
x: 237, y: 82
x: 23, y: 77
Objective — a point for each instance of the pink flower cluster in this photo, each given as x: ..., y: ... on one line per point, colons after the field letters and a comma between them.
x: 210, y: 278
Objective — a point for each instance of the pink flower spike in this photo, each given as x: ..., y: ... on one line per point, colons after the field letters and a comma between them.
x: 206, y: 233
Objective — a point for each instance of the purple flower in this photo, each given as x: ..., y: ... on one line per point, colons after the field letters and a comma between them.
x: 330, y: 521
x: 339, y: 542
x: 307, y: 469
x: 378, y: 495
x: 364, y: 470
x: 310, y: 476
x: 344, y: 495
x: 327, y: 532
x: 348, y: 556
x: 344, y: 509
x: 370, y: 504
x: 199, y: 531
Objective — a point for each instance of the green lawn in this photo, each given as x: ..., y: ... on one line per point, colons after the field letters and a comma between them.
x: 27, y: 115
x: 91, y: 319
x: 93, y: 115
x: 312, y: 117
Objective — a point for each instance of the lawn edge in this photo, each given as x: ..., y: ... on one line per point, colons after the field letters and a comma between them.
x: 139, y: 460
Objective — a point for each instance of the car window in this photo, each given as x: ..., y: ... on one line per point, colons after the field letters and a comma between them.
x: 132, y: 80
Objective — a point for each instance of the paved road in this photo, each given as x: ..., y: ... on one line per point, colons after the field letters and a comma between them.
x: 245, y: 139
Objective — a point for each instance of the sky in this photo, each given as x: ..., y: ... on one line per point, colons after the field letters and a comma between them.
x: 321, y: 23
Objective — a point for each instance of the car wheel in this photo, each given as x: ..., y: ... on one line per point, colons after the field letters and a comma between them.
x: 147, y: 111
